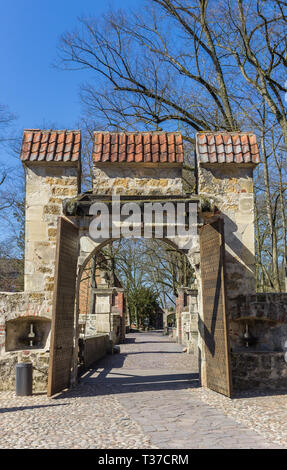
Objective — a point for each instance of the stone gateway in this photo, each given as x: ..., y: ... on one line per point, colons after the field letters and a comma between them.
x: 215, y: 318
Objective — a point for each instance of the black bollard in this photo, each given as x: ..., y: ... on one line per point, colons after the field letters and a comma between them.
x: 24, y: 379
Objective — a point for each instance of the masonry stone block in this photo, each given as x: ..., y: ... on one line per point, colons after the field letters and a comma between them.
x: 230, y: 187
x: 43, y: 182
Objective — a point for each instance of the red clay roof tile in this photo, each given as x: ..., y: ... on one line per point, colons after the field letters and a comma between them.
x: 122, y: 149
x: 149, y: 147
x: 51, y: 146
x: 227, y: 147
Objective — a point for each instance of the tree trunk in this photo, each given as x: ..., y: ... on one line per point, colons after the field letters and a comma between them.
x: 136, y: 317
x: 92, y: 284
x: 284, y: 222
x: 273, y: 234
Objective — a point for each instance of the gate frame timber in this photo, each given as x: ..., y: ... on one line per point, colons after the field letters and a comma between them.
x: 212, y: 372
x: 54, y: 384
x: 73, y: 358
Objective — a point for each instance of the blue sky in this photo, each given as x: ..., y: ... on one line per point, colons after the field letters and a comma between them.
x: 39, y: 94
x: 34, y: 90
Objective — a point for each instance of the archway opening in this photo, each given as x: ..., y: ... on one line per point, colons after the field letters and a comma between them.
x: 139, y: 290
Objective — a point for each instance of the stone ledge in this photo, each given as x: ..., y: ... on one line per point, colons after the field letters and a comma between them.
x: 271, y: 307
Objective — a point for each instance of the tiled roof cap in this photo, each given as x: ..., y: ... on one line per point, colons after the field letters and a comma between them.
x: 139, y: 147
x: 51, y: 146
x: 227, y: 147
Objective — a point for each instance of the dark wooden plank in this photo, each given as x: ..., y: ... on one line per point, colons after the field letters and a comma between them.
x: 216, y: 341
x: 62, y: 333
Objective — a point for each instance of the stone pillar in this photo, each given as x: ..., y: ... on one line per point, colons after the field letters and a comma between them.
x: 225, y: 178
x: 51, y: 161
x: 103, y: 310
x: 225, y: 165
x: 231, y: 189
x: 179, y: 309
x: 187, y: 314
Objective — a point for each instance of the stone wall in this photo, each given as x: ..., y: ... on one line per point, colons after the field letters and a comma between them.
x: 138, y: 179
x: 94, y: 348
x: 259, y: 371
x: 40, y: 361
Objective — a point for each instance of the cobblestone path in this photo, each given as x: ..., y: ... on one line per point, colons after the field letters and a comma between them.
x: 148, y: 396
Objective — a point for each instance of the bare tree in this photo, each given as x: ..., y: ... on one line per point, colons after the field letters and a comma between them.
x: 6, y: 117
x: 257, y: 41
x: 149, y: 263
x: 5, y: 120
x: 175, y: 64
x: 148, y: 78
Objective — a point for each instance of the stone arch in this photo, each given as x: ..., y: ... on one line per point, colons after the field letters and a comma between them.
x: 88, y: 248
x: 166, y: 316
x: 93, y: 247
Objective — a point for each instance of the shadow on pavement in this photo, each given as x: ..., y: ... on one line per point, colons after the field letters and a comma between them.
x: 129, y: 340
x: 22, y: 408
x: 155, y: 342
x: 111, y: 381
x: 110, y: 375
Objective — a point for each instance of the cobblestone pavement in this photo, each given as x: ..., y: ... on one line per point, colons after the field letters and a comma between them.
x: 80, y: 419
x: 264, y: 413
x: 147, y: 396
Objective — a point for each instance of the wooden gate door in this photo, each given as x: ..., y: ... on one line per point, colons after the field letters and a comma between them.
x: 216, y: 342
x: 62, y: 332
